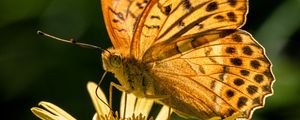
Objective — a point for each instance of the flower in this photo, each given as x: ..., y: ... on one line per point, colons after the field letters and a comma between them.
x: 50, y: 112
x: 136, y: 108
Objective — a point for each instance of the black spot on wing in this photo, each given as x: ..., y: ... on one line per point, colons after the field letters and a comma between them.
x: 139, y: 5
x: 219, y: 17
x: 259, y: 78
x: 251, y: 89
x: 255, y: 64
x: 247, y: 50
x: 232, y: 17
x: 268, y: 74
x: 187, y: 4
x: 232, y: 3
x: 245, y: 72
x: 152, y: 26
x: 155, y: 17
x: 236, y: 61
x: 237, y: 38
x: 230, y: 50
x: 256, y: 101
x: 229, y: 93
x: 166, y: 10
x: 238, y: 82
x: 212, y: 6
x: 242, y: 102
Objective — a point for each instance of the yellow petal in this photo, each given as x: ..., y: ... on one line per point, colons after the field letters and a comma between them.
x: 130, y: 104
x: 95, y: 117
x: 51, y: 111
x: 143, y: 106
x: 100, y: 107
x: 163, y: 113
x: 43, y: 114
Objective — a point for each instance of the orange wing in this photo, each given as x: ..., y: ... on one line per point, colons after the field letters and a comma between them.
x: 121, y: 17
x: 167, y: 20
x: 215, y: 68
x: 223, y: 74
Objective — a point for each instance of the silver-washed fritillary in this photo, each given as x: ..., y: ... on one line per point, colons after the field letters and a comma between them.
x: 190, y: 55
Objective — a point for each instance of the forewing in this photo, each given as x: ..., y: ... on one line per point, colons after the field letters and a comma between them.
x: 167, y: 20
x: 217, y: 77
x: 121, y: 17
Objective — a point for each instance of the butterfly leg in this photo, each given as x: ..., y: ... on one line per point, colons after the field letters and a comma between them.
x: 121, y: 88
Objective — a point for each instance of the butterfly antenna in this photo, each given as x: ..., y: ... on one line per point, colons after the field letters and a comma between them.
x: 71, y: 41
x: 84, y: 45
x: 102, y: 77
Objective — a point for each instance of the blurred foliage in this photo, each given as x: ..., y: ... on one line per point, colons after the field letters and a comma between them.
x: 34, y: 68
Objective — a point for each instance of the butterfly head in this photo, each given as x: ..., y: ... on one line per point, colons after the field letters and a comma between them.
x: 112, y: 60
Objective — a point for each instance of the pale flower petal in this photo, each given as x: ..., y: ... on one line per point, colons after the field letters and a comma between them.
x: 143, y: 106
x: 95, y: 117
x: 51, y: 112
x: 131, y: 99
x: 163, y: 113
x: 136, y: 109
x: 43, y: 114
x: 100, y: 107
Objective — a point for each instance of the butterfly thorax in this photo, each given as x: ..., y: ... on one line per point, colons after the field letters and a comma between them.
x: 130, y: 72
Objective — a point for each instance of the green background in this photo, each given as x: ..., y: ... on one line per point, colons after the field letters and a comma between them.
x: 34, y: 68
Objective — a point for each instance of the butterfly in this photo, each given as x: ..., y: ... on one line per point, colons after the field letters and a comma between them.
x: 190, y: 55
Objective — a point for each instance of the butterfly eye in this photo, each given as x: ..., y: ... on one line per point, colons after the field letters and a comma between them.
x: 115, y: 61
